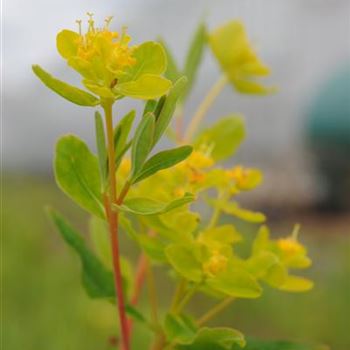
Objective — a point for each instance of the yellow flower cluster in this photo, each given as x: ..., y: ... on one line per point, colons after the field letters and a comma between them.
x: 216, y: 264
x: 194, y: 165
x: 244, y: 178
x: 100, y: 55
x: 238, y: 59
x: 290, y: 246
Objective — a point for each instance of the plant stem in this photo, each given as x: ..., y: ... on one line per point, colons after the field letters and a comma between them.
x: 215, y: 217
x: 214, y: 311
x: 152, y: 292
x: 180, y: 289
x: 204, y: 107
x: 139, y: 279
x: 187, y: 297
x: 113, y: 227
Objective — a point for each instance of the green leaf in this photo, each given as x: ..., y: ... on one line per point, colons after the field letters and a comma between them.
x: 135, y: 314
x: 100, y: 239
x: 163, y: 160
x: 69, y: 92
x: 244, y: 214
x: 153, y: 247
x: 180, y: 328
x: 120, y: 155
x: 142, y: 143
x: 182, y: 259
x: 121, y: 133
x: 235, y: 282
x: 159, y: 107
x: 296, y: 284
x: 220, y: 338
x: 150, y: 107
x: 255, y: 344
x: 224, y: 234
x: 147, y: 206
x: 150, y: 59
x: 97, y: 280
x: 102, y: 91
x: 194, y: 56
x: 224, y: 137
x: 234, y: 209
x: 101, y: 148
x: 276, y: 275
x: 172, y: 72
x: 77, y: 174
x: 168, y: 108
x: 146, y: 87
x: 259, y: 264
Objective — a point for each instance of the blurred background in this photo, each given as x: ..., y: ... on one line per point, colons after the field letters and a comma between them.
x: 300, y: 137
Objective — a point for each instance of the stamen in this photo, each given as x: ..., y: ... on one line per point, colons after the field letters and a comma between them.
x: 124, y: 37
x: 108, y: 21
x: 78, y: 21
x: 91, y: 21
x: 295, y: 232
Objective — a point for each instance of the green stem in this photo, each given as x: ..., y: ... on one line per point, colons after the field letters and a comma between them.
x: 180, y: 289
x: 152, y: 292
x: 187, y: 297
x: 112, y: 218
x: 204, y: 107
x: 214, y: 311
x: 222, y: 195
x: 215, y: 218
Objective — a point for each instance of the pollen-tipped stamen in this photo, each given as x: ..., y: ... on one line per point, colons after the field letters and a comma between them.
x: 78, y: 21
x: 108, y: 21
x: 91, y: 21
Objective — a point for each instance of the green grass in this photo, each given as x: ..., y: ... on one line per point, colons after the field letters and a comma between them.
x: 44, y: 306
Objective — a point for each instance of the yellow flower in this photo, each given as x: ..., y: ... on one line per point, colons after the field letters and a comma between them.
x: 100, y: 55
x: 244, y: 178
x: 110, y: 67
x: 290, y: 246
x: 238, y: 59
x: 193, y: 165
x: 199, y: 160
x: 292, y: 252
x: 216, y: 264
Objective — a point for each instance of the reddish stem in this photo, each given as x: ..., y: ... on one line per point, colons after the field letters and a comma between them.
x: 139, y: 280
x: 113, y: 228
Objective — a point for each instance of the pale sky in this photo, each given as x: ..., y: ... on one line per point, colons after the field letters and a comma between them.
x: 302, y: 41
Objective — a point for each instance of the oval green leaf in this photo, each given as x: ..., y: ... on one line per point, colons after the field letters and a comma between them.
x: 219, y: 338
x: 101, y: 148
x: 182, y: 259
x: 224, y: 137
x: 142, y: 143
x: 194, y: 56
x: 146, y: 87
x: 163, y: 160
x: 150, y: 59
x: 121, y: 133
x: 97, y: 280
x: 168, y: 107
x: 147, y: 206
x: 69, y: 92
x: 235, y: 282
x: 77, y: 174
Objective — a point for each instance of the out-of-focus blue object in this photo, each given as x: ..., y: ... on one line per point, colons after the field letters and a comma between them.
x: 328, y: 136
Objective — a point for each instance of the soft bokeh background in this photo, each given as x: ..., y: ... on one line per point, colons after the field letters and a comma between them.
x: 300, y: 137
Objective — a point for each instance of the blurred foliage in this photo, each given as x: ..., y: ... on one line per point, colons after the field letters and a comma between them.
x: 46, y: 307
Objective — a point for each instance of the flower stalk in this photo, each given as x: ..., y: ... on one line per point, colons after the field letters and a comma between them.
x: 112, y: 217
